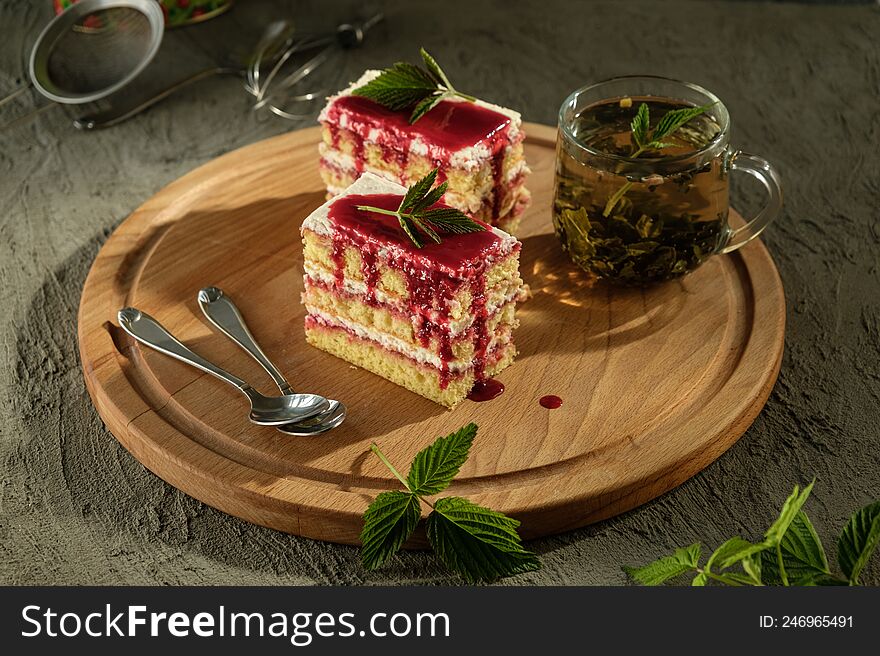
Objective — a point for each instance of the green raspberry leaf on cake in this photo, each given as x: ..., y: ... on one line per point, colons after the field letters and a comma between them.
x: 405, y: 85
x: 411, y: 229
x: 424, y: 106
x: 418, y: 191
x: 448, y: 219
x: 478, y: 543
x: 398, y: 87
x: 415, y: 216
x: 435, y: 466
x: 430, y: 198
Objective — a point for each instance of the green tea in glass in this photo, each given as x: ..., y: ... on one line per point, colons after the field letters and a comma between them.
x: 642, y: 180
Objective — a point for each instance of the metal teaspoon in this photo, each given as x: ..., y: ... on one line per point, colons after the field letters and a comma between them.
x: 222, y: 312
x: 265, y: 410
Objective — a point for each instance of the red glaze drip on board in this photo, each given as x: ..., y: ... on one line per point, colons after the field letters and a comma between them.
x: 486, y: 390
x: 551, y: 401
x: 434, y: 274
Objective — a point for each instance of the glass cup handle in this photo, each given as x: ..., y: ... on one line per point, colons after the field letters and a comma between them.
x: 761, y: 169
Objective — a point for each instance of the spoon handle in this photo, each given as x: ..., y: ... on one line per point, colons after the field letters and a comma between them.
x: 147, y: 330
x: 222, y: 312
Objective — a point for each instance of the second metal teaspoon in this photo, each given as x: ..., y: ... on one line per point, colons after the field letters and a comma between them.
x: 265, y: 410
x: 222, y: 312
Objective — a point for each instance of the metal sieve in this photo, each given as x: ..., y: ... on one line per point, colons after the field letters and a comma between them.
x: 92, y: 49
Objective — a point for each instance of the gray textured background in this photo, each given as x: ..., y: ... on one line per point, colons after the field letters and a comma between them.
x: 801, y: 82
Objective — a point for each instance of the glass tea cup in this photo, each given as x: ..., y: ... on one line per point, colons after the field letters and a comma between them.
x: 635, y: 213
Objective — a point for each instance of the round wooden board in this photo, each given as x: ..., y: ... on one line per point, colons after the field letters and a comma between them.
x: 655, y: 384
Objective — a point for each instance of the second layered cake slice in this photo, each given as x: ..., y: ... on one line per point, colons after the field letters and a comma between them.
x: 477, y: 146
x: 434, y: 320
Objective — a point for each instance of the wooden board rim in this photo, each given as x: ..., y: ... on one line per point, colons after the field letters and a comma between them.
x: 128, y: 248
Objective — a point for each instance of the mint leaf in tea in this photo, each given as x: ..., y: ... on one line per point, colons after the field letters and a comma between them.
x: 642, y: 203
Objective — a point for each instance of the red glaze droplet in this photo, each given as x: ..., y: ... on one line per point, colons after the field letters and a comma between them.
x: 551, y: 401
x: 486, y: 390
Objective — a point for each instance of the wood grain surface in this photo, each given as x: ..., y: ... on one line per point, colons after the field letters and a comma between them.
x: 655, y: 384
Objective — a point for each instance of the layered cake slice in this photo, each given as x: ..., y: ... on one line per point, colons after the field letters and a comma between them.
x: 434, y: 319
x: 477, y: 146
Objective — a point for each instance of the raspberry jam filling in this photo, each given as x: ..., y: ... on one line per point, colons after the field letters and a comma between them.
x: 434, y: 274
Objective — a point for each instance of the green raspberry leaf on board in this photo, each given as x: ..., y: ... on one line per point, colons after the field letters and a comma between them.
x: 684, y: 560
x: 858, y: 541
x: 640, y: 126
x: 790, y: 509
x: 434, y: 467
x: 388, y: 523
x: 478, y: 543
x: 803, y: 556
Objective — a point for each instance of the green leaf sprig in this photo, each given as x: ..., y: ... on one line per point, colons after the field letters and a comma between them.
x: 478, y: 543
x: 415, y: 214
x: 405, y: 85
x: 644, y: 138
x: 791, y: 553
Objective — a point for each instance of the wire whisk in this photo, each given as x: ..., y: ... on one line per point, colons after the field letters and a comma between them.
x: 280, y: 91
